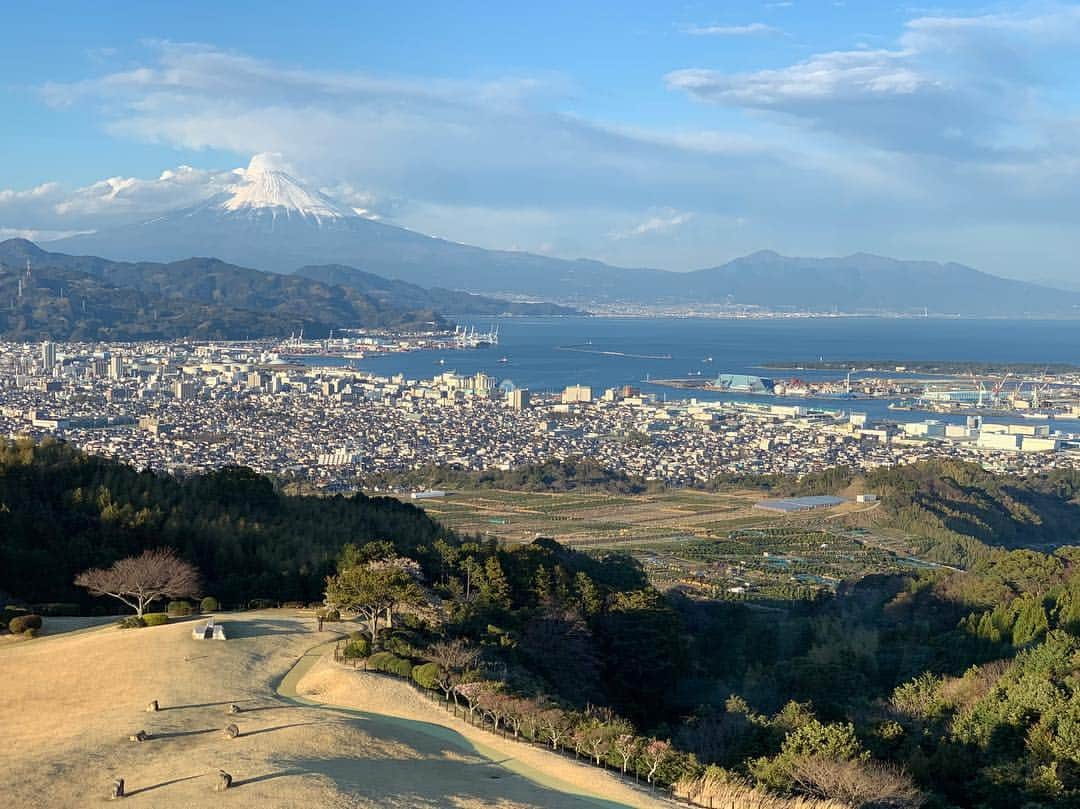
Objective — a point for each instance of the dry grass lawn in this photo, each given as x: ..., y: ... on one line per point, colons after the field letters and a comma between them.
x: 71, y: 701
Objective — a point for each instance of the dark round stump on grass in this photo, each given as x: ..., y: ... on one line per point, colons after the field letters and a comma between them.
x: 224, y: 781
x: 152, y: 706
x: 231, y: 731
x: 117, y: 790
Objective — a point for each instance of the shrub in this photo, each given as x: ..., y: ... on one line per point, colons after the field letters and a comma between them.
x: 178, y: 609
x: 131, y: 622
x: 57, y: 608
x: 262, y: 604
x: 24, y: 622
x: 30, y: 633
x: 294, y: 605
x: 209, y: 604
x: 155, y: 618
x: 357, y: 648
x: 401, y: 667
x: 330, y: 616
x: 425, y: 675
x: 390, y: 663
x: 360, y: 634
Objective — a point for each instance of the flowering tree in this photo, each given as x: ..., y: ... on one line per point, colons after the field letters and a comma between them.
x: 654, y: 754
x: 454, y: 658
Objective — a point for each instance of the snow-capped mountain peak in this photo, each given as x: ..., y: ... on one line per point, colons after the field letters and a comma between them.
x: 264, y: 184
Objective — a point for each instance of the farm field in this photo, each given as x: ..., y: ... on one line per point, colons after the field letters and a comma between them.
x: 713, y: 545
x: 594, y: 519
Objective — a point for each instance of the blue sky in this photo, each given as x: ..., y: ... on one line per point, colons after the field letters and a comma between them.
x: 640, y: 133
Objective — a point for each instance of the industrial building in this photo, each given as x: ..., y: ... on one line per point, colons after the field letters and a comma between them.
x: 744, y: 383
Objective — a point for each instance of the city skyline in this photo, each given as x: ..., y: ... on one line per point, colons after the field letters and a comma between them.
x: 675, y: 138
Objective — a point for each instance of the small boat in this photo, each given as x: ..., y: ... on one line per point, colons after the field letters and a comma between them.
x: 503, y: 360
x: 440, y: 361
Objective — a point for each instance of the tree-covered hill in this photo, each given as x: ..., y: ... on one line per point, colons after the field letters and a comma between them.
x: 62, y: 511
x: 89, y: 298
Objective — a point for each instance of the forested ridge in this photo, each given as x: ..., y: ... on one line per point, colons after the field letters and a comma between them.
x: 957, y: 688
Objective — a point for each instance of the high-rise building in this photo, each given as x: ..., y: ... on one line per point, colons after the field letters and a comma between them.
x: 48, y: 355
x: 518, y: 398
x: 184, y: 390
x: 483, y: 383
x: 116, y: 367
x: 577, y: 393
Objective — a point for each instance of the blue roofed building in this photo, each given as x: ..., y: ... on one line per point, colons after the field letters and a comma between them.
x: 744, y: 383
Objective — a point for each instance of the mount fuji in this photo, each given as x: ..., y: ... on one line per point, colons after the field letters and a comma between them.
x: 272, y: 221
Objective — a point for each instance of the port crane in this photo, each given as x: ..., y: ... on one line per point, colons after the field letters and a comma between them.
x: 995, y: 397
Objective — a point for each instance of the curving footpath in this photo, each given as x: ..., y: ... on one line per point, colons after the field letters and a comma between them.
x: 465, y: 740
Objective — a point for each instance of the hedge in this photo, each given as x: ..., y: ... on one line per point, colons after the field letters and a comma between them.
x: 155, y: 618
x: 390, y: 663
x: 178, y: 609
x: 209, y: 604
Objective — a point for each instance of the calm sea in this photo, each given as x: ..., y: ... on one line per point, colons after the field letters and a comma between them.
x: 534, y: 359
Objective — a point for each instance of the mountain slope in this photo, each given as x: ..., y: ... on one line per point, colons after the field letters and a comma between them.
x: 413, y: 296
x: 195, y: 297
x: 865, y: 282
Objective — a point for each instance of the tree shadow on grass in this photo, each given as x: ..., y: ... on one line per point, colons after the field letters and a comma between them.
x: 140, y: 790
x: 263, y: 627
x: 444, y: 781
x: 247, y: 733
x: 203, y: 704
x: 179, y: 734
x: 267, y: 777
x: 261, y: 708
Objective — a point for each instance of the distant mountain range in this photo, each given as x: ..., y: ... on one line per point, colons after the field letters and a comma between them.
x: 91, y: 298
x: 445, y: 301
x: 271, y: 221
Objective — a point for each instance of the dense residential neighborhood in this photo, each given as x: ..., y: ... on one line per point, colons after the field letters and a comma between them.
x: 190, y: 407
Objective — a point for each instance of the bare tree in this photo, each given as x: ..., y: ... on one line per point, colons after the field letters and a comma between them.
x: 453, y: 657
x: 140, y: 580
x: 855, y: 782
x: 556, y: 725
x: 626, y: 746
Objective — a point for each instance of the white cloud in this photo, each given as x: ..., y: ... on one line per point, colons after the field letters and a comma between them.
x: 962, y: 87
x: 116, y: 199
x: 749, y: 29
x: 38, y: 235
x: 659, y: 222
